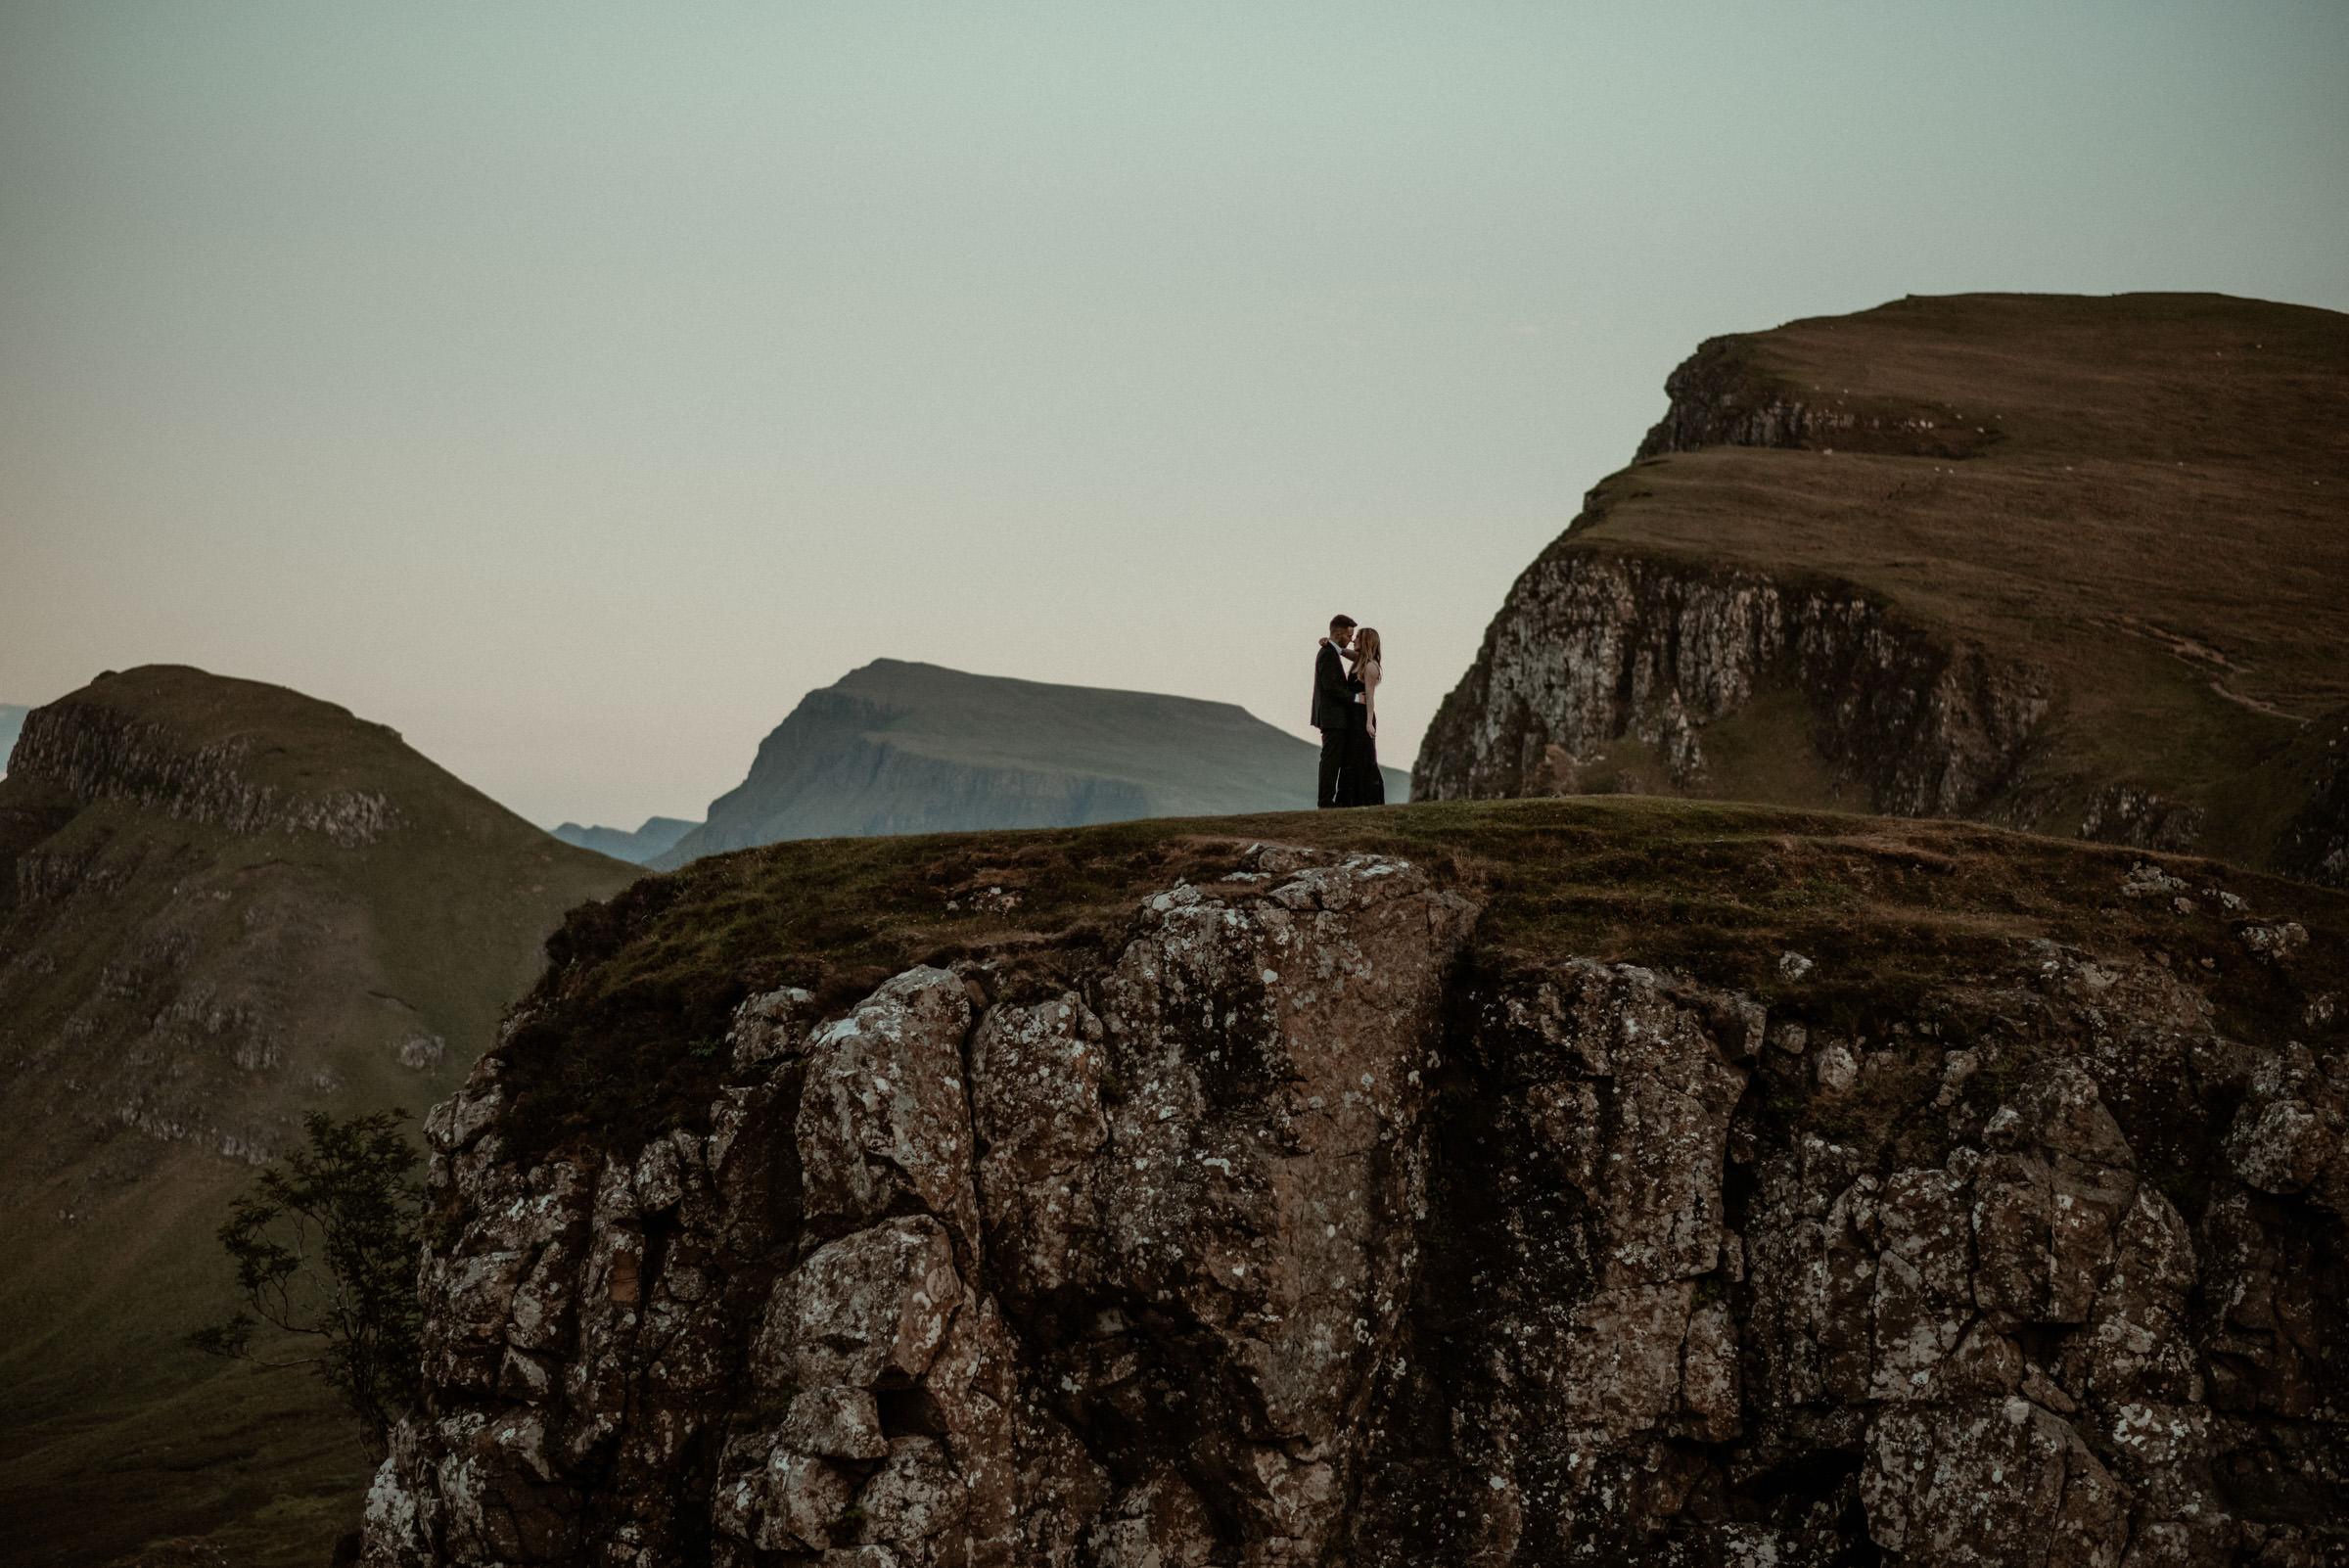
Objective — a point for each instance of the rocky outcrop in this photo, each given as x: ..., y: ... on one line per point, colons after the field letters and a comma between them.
x: 961, y: 1278
x: 1721, y: 397
x: 1593, y: 645
x: 98, y: 753
x: 2316, y: 844
x: 2120, y: 814
x: 1275, y: 1237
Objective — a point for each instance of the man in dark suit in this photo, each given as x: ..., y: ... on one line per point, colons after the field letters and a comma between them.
x: 1333, y: 704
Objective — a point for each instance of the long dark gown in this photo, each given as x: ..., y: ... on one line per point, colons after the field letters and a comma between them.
x: 1359, y: 782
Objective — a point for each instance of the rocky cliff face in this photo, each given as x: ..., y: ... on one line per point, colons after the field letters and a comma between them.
x: 2315, y: 845
x: 1591, y: 647
x: 1279, y: 1232
x: 98, y: 753
x: 1721, y: 397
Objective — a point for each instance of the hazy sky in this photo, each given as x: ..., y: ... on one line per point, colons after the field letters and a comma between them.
x: 573, y: 387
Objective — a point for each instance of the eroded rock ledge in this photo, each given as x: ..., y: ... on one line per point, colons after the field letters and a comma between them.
x: 1280, y: 1239
x: 1720, y: 399
x: 1590, y: 646
x: 97, y: 754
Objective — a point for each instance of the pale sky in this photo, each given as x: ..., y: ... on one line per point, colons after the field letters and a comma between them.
x: 573, y: 387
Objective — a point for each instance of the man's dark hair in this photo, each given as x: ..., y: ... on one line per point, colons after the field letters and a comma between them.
x: 1335, y: 622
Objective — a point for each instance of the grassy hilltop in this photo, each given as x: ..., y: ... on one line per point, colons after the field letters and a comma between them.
x: 183, y: 971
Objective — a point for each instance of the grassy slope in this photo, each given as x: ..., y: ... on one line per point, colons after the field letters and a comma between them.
x: 1889, y: 907
x: 109, y: 1434
x: 2157, y: 510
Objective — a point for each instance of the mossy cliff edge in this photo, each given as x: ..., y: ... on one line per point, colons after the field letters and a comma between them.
x: 2070, y: 564
x: 1526, y: 1182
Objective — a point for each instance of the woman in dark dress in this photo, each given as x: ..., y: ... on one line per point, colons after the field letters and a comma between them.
x: 1361, y: 783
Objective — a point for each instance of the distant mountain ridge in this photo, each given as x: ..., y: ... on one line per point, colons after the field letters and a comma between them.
x: 12, y: 722
x: 648, y: 841
x: 898, y: 747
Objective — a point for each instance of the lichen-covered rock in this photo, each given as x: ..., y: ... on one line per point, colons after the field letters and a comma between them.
x: 885, y: 1120
x: 1265, y: 1235
x: 1989, y: 1481
x: 959, y: 1278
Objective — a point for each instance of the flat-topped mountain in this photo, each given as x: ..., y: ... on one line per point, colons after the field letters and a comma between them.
x: 911, y: 747
x: 657, y: 835
x: 2076, y: 565
x: 222, y: 903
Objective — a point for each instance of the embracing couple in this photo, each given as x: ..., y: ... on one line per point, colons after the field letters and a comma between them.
x: 1346, y: 713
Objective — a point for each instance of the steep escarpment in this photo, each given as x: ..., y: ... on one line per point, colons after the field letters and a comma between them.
x: 1223, y: 1202
x: 832, y: 768
x: 1725, y: 396
x: 95, y: 751
x: 1595, y: 648
x: 222, y: 905
x: 908, y: 748
x: 2070, y: 564
x: 1194, y: 1154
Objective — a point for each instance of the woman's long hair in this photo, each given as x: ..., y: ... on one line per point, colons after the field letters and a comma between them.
x: 1366, y: 647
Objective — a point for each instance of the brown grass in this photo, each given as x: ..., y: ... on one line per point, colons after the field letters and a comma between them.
x: 2157, y: 512
x: 622, y: 1032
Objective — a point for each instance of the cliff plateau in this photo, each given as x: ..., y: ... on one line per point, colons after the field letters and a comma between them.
x: 1515, y: 1183
x: 222, y: 903
x: 2078, y: 566
x: 909, y: 748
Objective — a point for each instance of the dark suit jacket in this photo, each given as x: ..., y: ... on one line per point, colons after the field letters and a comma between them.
x: 1333, y: 690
